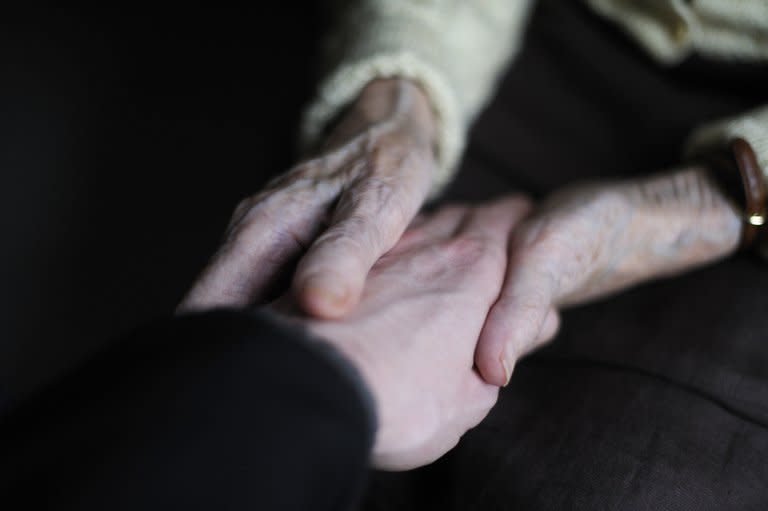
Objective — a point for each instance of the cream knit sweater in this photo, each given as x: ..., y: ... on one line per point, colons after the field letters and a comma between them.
x: 456, y: 50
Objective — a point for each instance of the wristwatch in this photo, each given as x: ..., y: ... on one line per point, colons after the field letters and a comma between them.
x: 738, y: 174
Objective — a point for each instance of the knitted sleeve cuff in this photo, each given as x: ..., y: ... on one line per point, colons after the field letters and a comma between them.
x: 345, y: 84
x: 752, y: 127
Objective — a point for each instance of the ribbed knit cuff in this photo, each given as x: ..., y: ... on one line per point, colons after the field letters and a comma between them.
x: 752, y: 127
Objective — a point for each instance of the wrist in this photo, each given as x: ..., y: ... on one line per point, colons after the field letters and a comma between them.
x: 682, y: 219
x: 737, y: 173
x: 345, y: 342
x: 650, y: 228
x: 397, y: 104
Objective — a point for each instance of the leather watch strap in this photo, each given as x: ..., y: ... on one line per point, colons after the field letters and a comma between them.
x: 738, y: 174
x: 755, y: 191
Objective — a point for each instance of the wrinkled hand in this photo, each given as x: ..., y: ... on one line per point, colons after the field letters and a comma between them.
x: 413, y: 335
x: 344, y: 209
x: 588, y: 241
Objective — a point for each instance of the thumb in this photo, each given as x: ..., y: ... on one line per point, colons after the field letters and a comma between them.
x: 514, y: 325
x: 264, y: 236
x: 329, y: 279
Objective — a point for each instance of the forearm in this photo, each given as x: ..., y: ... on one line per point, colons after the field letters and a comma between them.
x: 687, y: 218
x: 668, y: 224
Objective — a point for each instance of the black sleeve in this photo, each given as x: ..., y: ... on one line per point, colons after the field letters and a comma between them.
x: 223, y: 410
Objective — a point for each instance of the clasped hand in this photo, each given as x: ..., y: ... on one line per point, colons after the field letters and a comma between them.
x: 436, y: 311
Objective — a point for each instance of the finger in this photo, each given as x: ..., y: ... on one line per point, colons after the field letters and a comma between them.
x: 418, y: 221
x: 488, y: 228
x: 368, y: 221
x: 548, y: 330
x: 515, y: 321
x: 481, y: 397
x: 440, y: 225
x: 263, y: 238
x: 494, y: 220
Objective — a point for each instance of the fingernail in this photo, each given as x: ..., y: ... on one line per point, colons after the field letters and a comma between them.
x: 507, y: 371
x: 328, y: 290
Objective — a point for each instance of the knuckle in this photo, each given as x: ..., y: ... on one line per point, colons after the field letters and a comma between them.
x: 385, y: 154
x: 258, y: 213
x: 436, y: 263
x: 279, y: 181
x: 488, y: 263
x: 453, y: 210
x: 282, y: 245
x: 239, y: 221
x: 551, y: 330
x: 378, y: 219
x: 376, y: 190
x: 555, y: 321
x: 296, y: 172
x: 521, y: 201
x: 253, y: 228
x: 538, y: 235
x: 495, y: 258
x: 308, y: 175
x: 542, y: 246
x: 253, y: 205
x: 466, y: 251
x: 242, y: 207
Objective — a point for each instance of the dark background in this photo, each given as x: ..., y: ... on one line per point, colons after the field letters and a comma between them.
x: 126, y: 139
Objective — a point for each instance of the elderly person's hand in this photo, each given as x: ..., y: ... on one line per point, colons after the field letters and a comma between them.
x: 341, y: 210
x: 413, y: 335
x: 588, y: 241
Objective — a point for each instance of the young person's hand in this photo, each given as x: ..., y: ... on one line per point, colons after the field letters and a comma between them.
x: 414, y: 332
